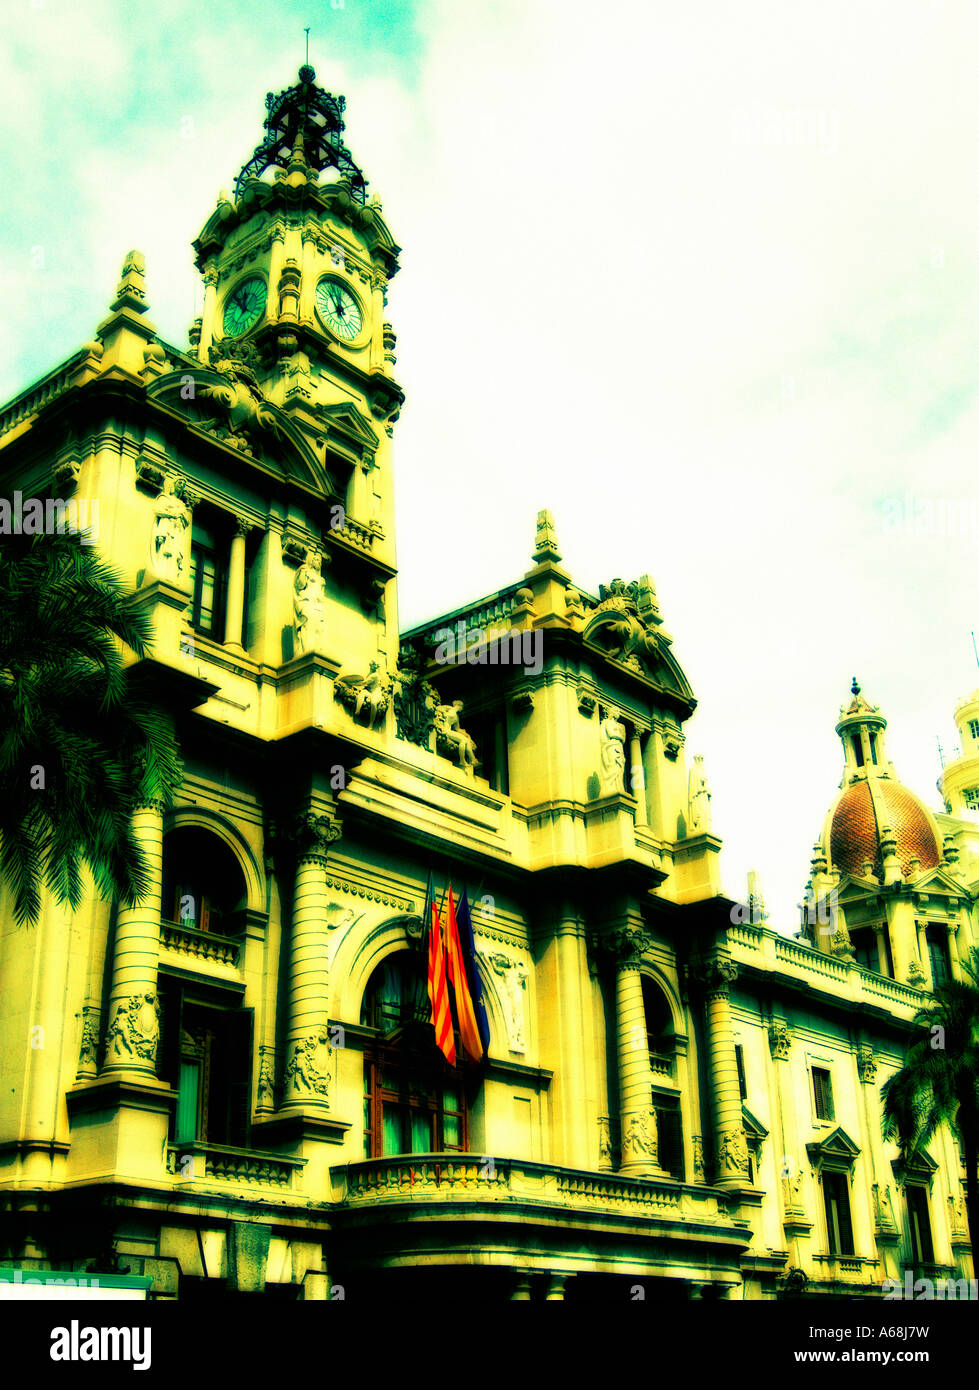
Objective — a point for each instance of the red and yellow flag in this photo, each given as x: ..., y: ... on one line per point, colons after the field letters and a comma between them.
x: 456, y: 969
x: 438, y: 989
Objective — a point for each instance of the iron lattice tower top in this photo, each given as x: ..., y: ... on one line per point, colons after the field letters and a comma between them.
x: 307, y: 118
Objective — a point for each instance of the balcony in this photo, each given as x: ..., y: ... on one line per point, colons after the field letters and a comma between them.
x: 195, y: 1160
x: 468, y: 1180
x: 661, y: 1064
x: 855, y: 1271
x: 184, y: 948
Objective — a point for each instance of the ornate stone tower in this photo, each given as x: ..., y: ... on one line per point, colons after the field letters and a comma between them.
x: 295, y: 269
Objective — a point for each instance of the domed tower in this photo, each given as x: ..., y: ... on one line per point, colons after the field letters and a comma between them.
x: 883, y: 894
x: 876, y: 828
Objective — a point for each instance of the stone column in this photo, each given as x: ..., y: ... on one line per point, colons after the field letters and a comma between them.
x: 562, y: 1039
x: 731, y: 1145
x: 208, y: 333
x: 309, y: 1054
x: 133, y: 1028
x: 235, y: 610
x: 637, y: 1120
x: 637, y: 778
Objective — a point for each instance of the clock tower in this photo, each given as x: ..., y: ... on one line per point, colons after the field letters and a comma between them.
x: 296, y: 264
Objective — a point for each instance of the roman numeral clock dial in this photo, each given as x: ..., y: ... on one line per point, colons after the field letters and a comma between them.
x: 339, y: 310
x: 244, y: 306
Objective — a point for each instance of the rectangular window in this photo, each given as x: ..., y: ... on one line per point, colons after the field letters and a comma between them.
x: 739, y: 1058
x: 922, y: 1251
x: 974, y: 728
x: 865, y: 950
x: 836, y: 1199
x: 208, y: 581
x: 888, y: 958
x: 822, y: 1089
x: 971, y: 797
x: 669, y: 1126
x: 938, y: 956
x: 206, y: 1057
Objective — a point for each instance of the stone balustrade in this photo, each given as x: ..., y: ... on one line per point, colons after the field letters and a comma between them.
x: 470, y: 1178
x: 195, y: 1159
x: 200, y: 945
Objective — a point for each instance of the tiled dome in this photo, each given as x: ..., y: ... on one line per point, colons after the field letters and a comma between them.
x: 861, y: 814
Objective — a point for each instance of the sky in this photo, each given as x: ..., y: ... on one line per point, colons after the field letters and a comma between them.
x: 699, y: 278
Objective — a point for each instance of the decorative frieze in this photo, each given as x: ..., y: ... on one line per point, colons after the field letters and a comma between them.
x: 309, y: 1069
x: 133, y: 1033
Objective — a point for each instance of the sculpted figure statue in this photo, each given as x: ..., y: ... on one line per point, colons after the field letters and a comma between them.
x: 171, y: 521
x: 612, y: 734
x: 308, y: 1071
x: 514, y: 978
x: 699, y: 797
x: 367, y: 697
x: 134, y: 1031
x: 451, y: 738
x: 310, y: 603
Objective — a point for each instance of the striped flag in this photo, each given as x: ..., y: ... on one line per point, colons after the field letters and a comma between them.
x: 438, y: 989
x: 456, y: 969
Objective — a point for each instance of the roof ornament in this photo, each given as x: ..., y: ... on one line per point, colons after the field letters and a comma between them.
x: 306, y: 118
x: 545, y: 547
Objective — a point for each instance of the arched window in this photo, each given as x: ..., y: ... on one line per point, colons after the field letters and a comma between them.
x: 203, y: 885
x: 659, y: 1028
x: 414, y: 1102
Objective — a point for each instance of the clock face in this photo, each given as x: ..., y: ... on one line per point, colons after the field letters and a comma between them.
x: 244, y: 306
x: 339, y: 310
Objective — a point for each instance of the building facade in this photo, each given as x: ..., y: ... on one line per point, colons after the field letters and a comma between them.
x: 233, y: 1085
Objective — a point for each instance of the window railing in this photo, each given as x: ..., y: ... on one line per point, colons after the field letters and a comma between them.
x: 200, y: 945
x: 220, y: 1163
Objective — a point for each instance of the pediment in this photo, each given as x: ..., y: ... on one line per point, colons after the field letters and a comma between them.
x: 919, y: 1167
x: 242, y: 419
x: 835, y: 1151
x: 753, y: 1128
x: 345, y: 418
x: 939, y: 882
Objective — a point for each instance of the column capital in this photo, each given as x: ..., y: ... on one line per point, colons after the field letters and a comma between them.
x: 626, y: 945
x: 243, y: 525
x: 313, y: 834
x: 715, y: 974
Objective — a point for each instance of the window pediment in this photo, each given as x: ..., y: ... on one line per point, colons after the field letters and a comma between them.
x: 835, y: 1154
x: 918, y: 1168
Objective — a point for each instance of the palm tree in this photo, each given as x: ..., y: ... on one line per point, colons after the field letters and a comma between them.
x: 939, y: 1081
x: 80, y: 744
